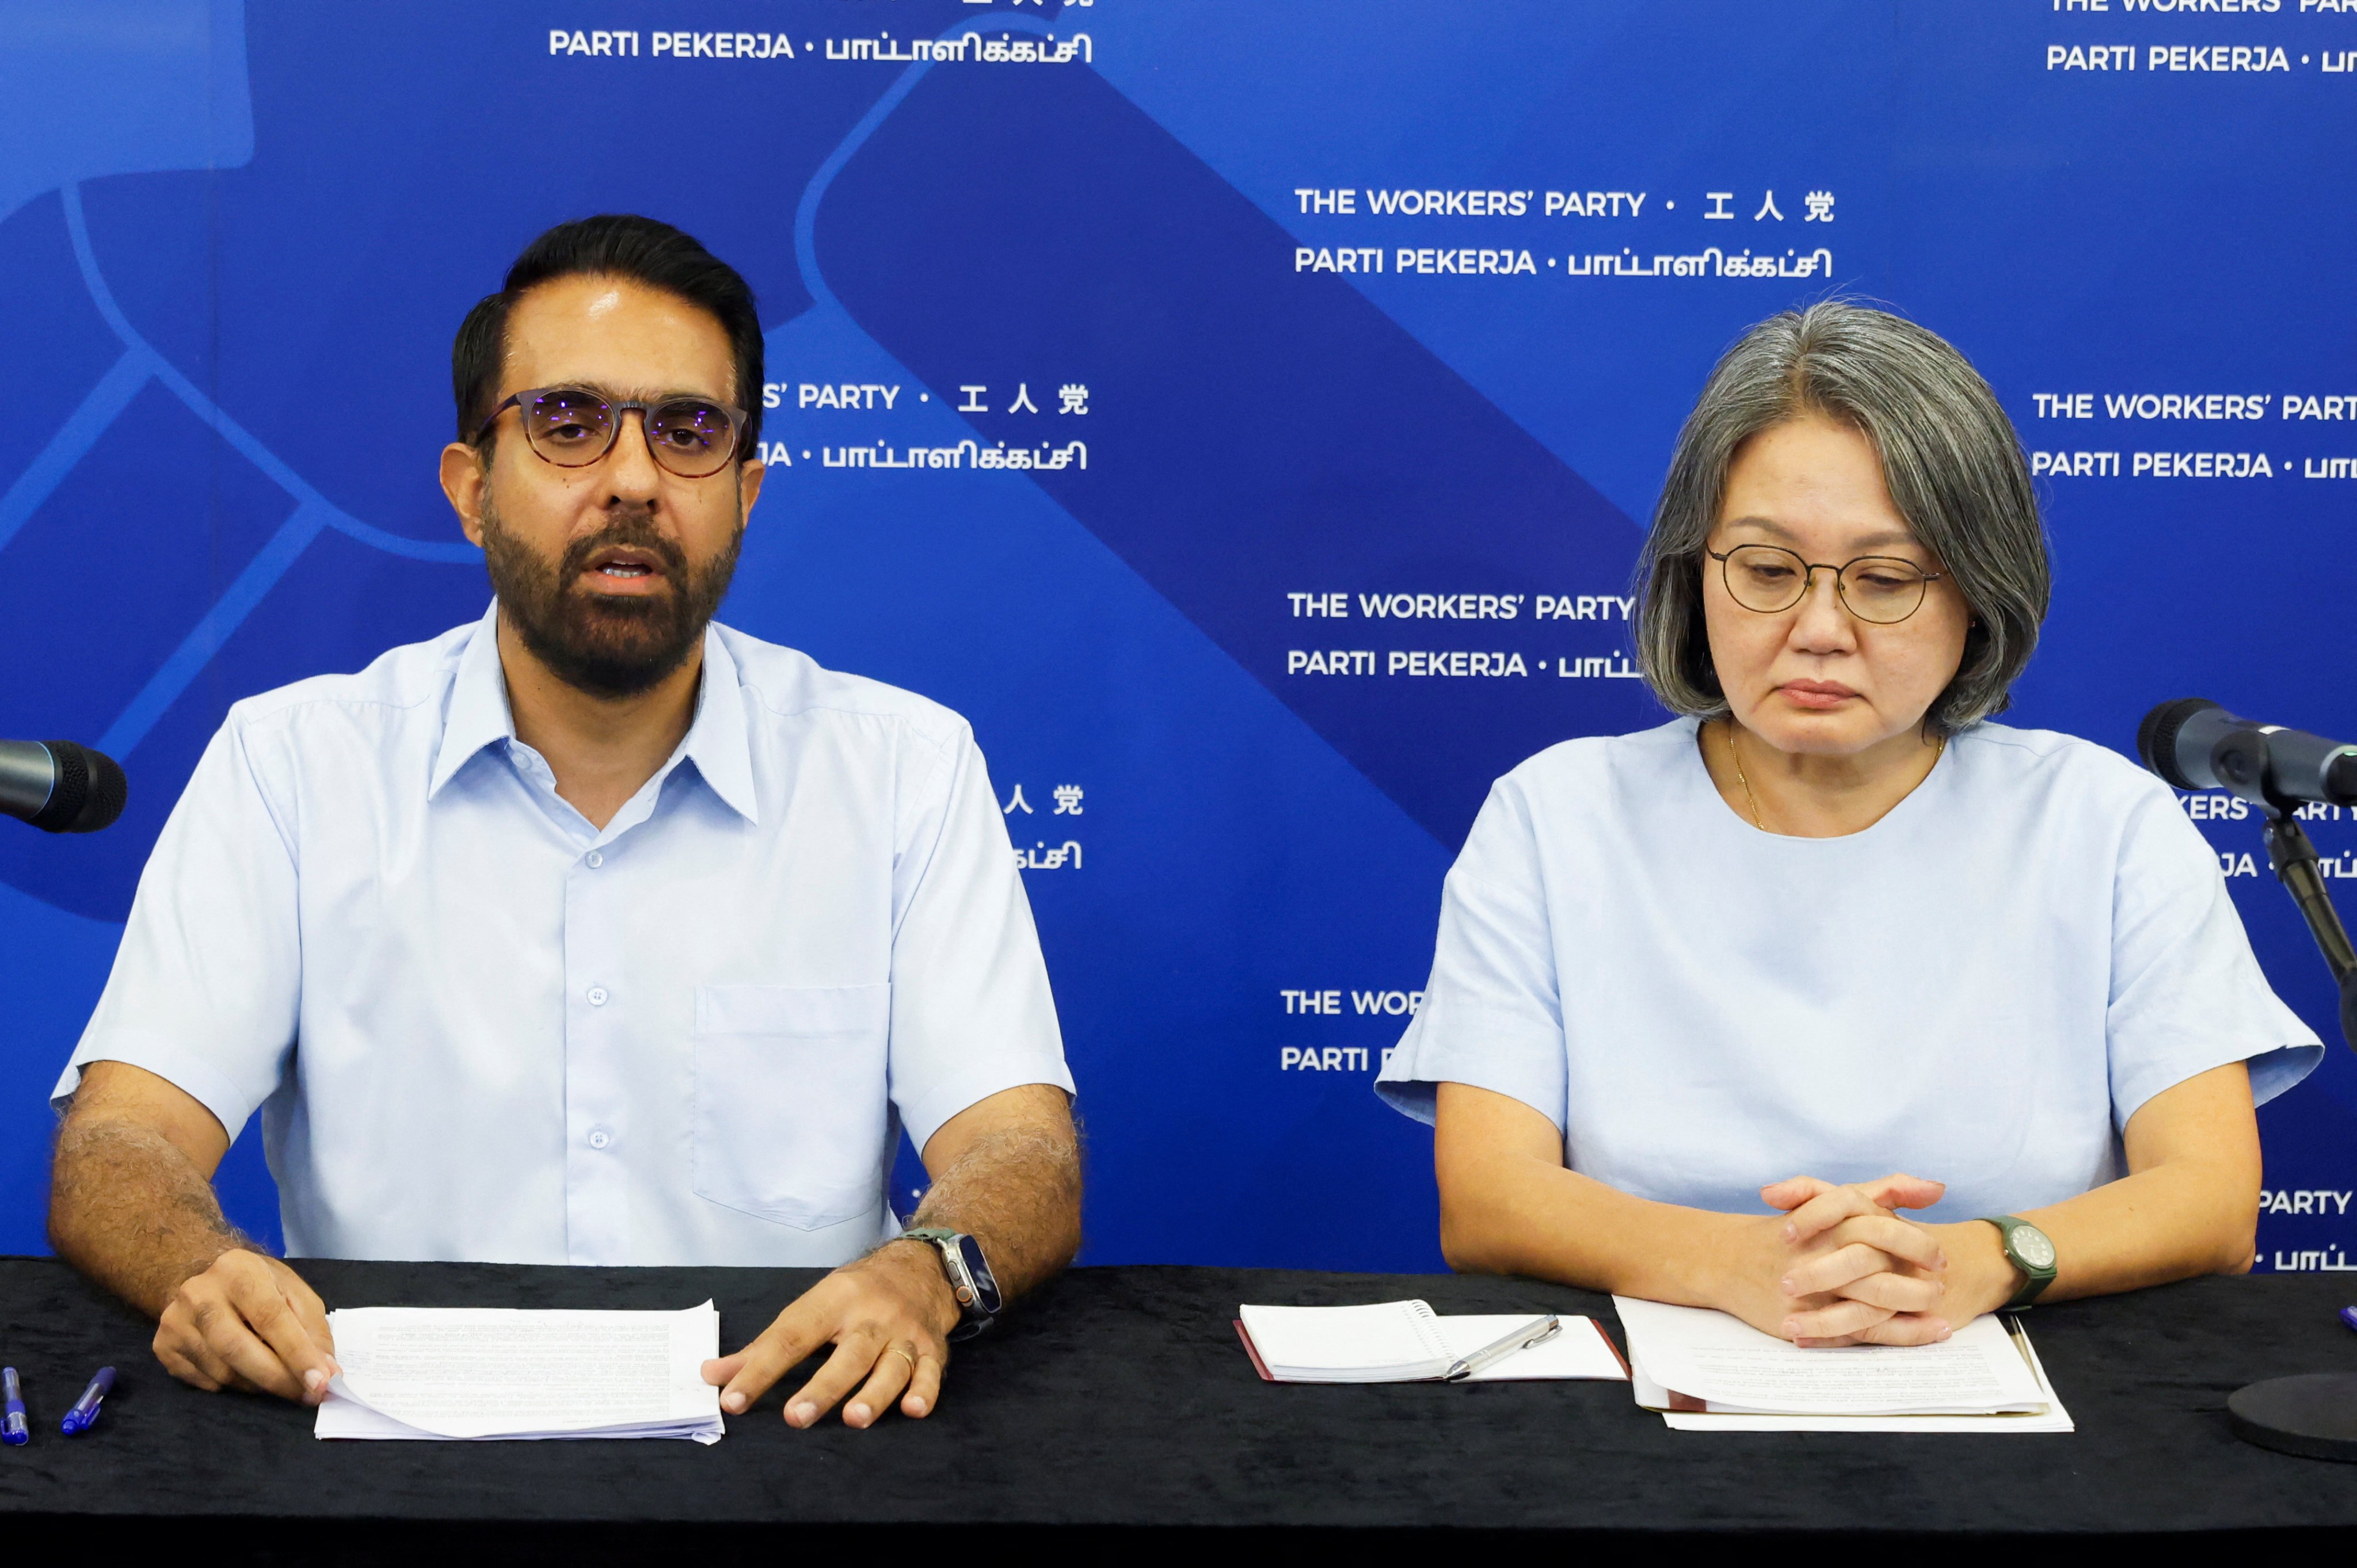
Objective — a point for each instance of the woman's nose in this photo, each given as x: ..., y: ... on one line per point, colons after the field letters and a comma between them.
x: 1822, y: 620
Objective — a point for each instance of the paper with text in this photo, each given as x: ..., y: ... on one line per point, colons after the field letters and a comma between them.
x: 499, y: 1373
x: 1733, y: 1367
x: 2054, y: 1418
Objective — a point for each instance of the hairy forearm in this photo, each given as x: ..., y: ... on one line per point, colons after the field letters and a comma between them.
x: 1018, y: 1191
x: 128, y: 1208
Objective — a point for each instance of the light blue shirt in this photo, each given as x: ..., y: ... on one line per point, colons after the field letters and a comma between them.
x: 1982, y: 988
x: 479, y: 1027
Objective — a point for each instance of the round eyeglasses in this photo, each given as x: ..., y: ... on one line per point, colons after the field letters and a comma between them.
x: 574, y: 427
x: 1883, y: 589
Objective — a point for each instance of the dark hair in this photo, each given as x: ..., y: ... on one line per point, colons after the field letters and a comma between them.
x: 1949, y: 459
x: 618, y: 245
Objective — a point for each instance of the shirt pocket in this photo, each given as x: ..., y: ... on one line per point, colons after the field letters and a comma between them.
x: 790, y: 1099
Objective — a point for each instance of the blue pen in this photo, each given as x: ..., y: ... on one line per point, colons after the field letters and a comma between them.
x: 14, y: 1433
x: 85, y: 1414
x: 2349, y: 1316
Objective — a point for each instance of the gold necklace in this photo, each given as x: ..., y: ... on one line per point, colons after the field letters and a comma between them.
x: 1939, y: 748
x: 1736, y: 758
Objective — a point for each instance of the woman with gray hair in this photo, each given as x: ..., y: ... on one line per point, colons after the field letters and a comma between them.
x: 1832, y: 922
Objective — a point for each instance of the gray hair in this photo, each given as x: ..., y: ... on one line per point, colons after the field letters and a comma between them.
x: 1951, y: 461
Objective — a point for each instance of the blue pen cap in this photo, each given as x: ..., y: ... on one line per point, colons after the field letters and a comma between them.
x: 85, y: 1414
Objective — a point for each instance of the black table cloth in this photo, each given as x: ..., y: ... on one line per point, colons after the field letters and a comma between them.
x: 1119, y: 1397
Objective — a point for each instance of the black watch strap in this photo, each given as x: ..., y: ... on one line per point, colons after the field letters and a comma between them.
x: 971, y: 1281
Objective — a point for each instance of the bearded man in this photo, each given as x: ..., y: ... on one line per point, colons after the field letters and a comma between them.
x: 592, y: 932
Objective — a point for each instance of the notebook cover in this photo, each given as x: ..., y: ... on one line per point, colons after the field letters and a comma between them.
x: 1625, y: 1370
x: 1253, y: 1351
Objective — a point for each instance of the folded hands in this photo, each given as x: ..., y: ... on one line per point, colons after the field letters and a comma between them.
x: 1841, y: 1265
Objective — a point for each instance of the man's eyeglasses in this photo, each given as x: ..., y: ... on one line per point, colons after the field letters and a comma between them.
x: 1768, y: 578
x: 574, y: 427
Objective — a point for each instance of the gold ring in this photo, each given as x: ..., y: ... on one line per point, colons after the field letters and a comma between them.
x: 895, y: 1350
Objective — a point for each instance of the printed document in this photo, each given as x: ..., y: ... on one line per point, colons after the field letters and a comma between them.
x: 481, y: 1373
x: 1705, y: 1371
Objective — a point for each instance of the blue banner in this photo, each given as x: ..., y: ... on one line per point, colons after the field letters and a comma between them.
x: 1246, y: 415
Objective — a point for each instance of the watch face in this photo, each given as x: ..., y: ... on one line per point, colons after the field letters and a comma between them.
x: 985, y: 1288
x: 2033, y: 1246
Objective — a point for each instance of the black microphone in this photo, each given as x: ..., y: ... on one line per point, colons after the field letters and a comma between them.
x: 2194, y: 743
x: 60, y: 786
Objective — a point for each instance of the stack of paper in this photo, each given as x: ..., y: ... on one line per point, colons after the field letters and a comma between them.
x: 494, y: 1372
x: 1406, y: 1341
x: 1705, y: 1371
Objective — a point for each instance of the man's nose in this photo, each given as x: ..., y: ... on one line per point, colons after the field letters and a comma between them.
x: 631, y: 473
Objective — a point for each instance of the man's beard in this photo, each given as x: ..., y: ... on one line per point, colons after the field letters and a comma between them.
x: 608, y: 645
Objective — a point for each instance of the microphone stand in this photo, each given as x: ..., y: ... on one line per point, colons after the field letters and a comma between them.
x: 2314, y: 1413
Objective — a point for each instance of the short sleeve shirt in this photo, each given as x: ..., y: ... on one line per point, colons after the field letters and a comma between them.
x: 1982, y: 988
x: 479, y: 1027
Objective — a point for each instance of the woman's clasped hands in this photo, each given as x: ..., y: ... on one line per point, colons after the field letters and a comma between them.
x: 1840, y: 1266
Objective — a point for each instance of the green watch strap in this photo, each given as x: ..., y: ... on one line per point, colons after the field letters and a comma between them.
x: 2028, y: 1249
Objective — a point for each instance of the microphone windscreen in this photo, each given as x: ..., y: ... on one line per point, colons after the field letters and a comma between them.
x: 90, y: 790
x: 2157, y: 738
x: 69, y: 786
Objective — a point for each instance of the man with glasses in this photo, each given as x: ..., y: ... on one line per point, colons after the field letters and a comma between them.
x: 592, y: 932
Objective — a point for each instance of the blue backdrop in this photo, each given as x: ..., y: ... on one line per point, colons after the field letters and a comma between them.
x: 1244, y: 413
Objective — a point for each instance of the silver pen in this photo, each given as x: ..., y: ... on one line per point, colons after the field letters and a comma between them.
x: 1538, y: 1328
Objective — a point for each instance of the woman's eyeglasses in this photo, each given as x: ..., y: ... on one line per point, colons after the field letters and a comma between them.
x: 1883, y: 589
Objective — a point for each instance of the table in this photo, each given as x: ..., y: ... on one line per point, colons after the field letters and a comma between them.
x: 1119, y: 1397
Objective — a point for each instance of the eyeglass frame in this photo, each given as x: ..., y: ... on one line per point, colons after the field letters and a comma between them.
x: 1808, y: 580
x: 736, y: 416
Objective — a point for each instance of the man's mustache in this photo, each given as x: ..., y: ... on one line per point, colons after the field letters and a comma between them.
x: 631, y: 534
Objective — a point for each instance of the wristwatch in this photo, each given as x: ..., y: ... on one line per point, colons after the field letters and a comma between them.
x: 2031, y: 1250
x: 971, y: 1281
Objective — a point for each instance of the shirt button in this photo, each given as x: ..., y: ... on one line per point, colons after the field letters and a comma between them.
x: 599, y: 1137
x: 597, y: 996
x: 596, y: 860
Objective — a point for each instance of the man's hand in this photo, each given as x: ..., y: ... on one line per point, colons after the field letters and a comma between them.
x: 132, y: 1205
x: 888, y: 1318
x: 1849, y: 1271
x: 1007, y: 1171
x: 248, y: 1322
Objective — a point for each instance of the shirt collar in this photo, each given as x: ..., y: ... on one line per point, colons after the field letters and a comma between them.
x: 718, y: 742
x: 478, y: 714
x: 716, y: 739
